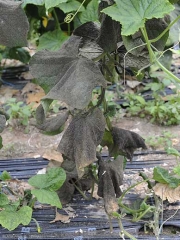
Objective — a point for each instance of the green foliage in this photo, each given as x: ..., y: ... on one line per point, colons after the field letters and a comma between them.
x: 162, y: 175
x: 164, y: 140
x: 18, y: 110
x: 90, y: 14
x: 13, y: 218
x: 52, y: 40
x: 47, y: 184
x: 133, y: 14
x: 5, y: 176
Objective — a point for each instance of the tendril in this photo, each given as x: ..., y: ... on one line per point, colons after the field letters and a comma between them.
x: 70, y: 16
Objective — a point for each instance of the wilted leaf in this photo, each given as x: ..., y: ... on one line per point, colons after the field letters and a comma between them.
x: 47, y: 196
x: 80, y: 140
x: 110, y: 175
x: 88, y: 30
x: 13, y: 34
x: 52, y: 40
x: 165, y: 192
x: 132, y: 14
x: 162, y: 175
x: 125, y: 142
x: 68, y: 79
x: 52, y: 180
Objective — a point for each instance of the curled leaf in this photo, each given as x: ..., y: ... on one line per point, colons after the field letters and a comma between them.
x: 80, y: 140
x: 53, y: 125
x: 13, y: 34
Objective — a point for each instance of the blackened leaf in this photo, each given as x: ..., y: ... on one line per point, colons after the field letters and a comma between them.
x: 110, y: 30
x: 90, y: 49
x: 1, y: 145
x: 125, y: 142
x: 53, y: 125
x: 65, y: 78
x: 110, y: 175
x: 88, y: 30
x: 80, y: 140
x: 13, y: 24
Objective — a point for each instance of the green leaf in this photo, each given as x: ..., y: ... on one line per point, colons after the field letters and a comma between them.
x: 50, y: 4
x: 25, y: 214
x: 35, y: 2
x: 47, y: 196
x: 52, y: 180
x: 5, y: 176
x: 12, y: 219
x: 52, y: 40
x: 141, y: 100
x: 19, y: 54
x: 3, y: 199
x: 70, y: 6
x: 132, y: 14
x: 91, y: 13
x: 162, y: 175
x: 173, y: 151
x: 107, y: 139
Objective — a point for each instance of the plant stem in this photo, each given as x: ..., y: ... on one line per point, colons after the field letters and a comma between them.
x: 56, y: 19
x: 153, y: 57
x: 80, y: 191
x: 124, y: 232
x: 165, y: 31
x: 37, y: 224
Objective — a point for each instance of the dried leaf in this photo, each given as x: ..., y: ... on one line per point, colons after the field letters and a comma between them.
x: 2, y: 122
x: 88, y: 30
x: 61, y: 217
x: 165, y: 192
x: 52, y: 154
x: 13, y: 34
x: 125, y: 142
x: 80, y: 140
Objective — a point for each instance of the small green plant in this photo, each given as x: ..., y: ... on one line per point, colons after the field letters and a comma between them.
x: 19, y: 111
x: 19, y: 206
x: 164, y: 140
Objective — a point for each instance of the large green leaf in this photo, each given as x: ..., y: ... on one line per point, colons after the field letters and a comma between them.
x: 132, y: 14
x: 91, y: 12
x: 80, y: 140
x: 20, y: 54
x: 50, y: 4
x: 13, y: 24
x: 52, y: 180
x: 162, y: 175
x: 47, y: 196
x: 12, y: 219
x: 52, y: 40
x: 70, y: 6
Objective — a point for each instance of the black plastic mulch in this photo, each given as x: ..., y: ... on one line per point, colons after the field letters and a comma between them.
x: 91, y: 221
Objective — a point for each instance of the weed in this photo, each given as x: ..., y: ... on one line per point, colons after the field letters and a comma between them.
x: 19, y: 111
